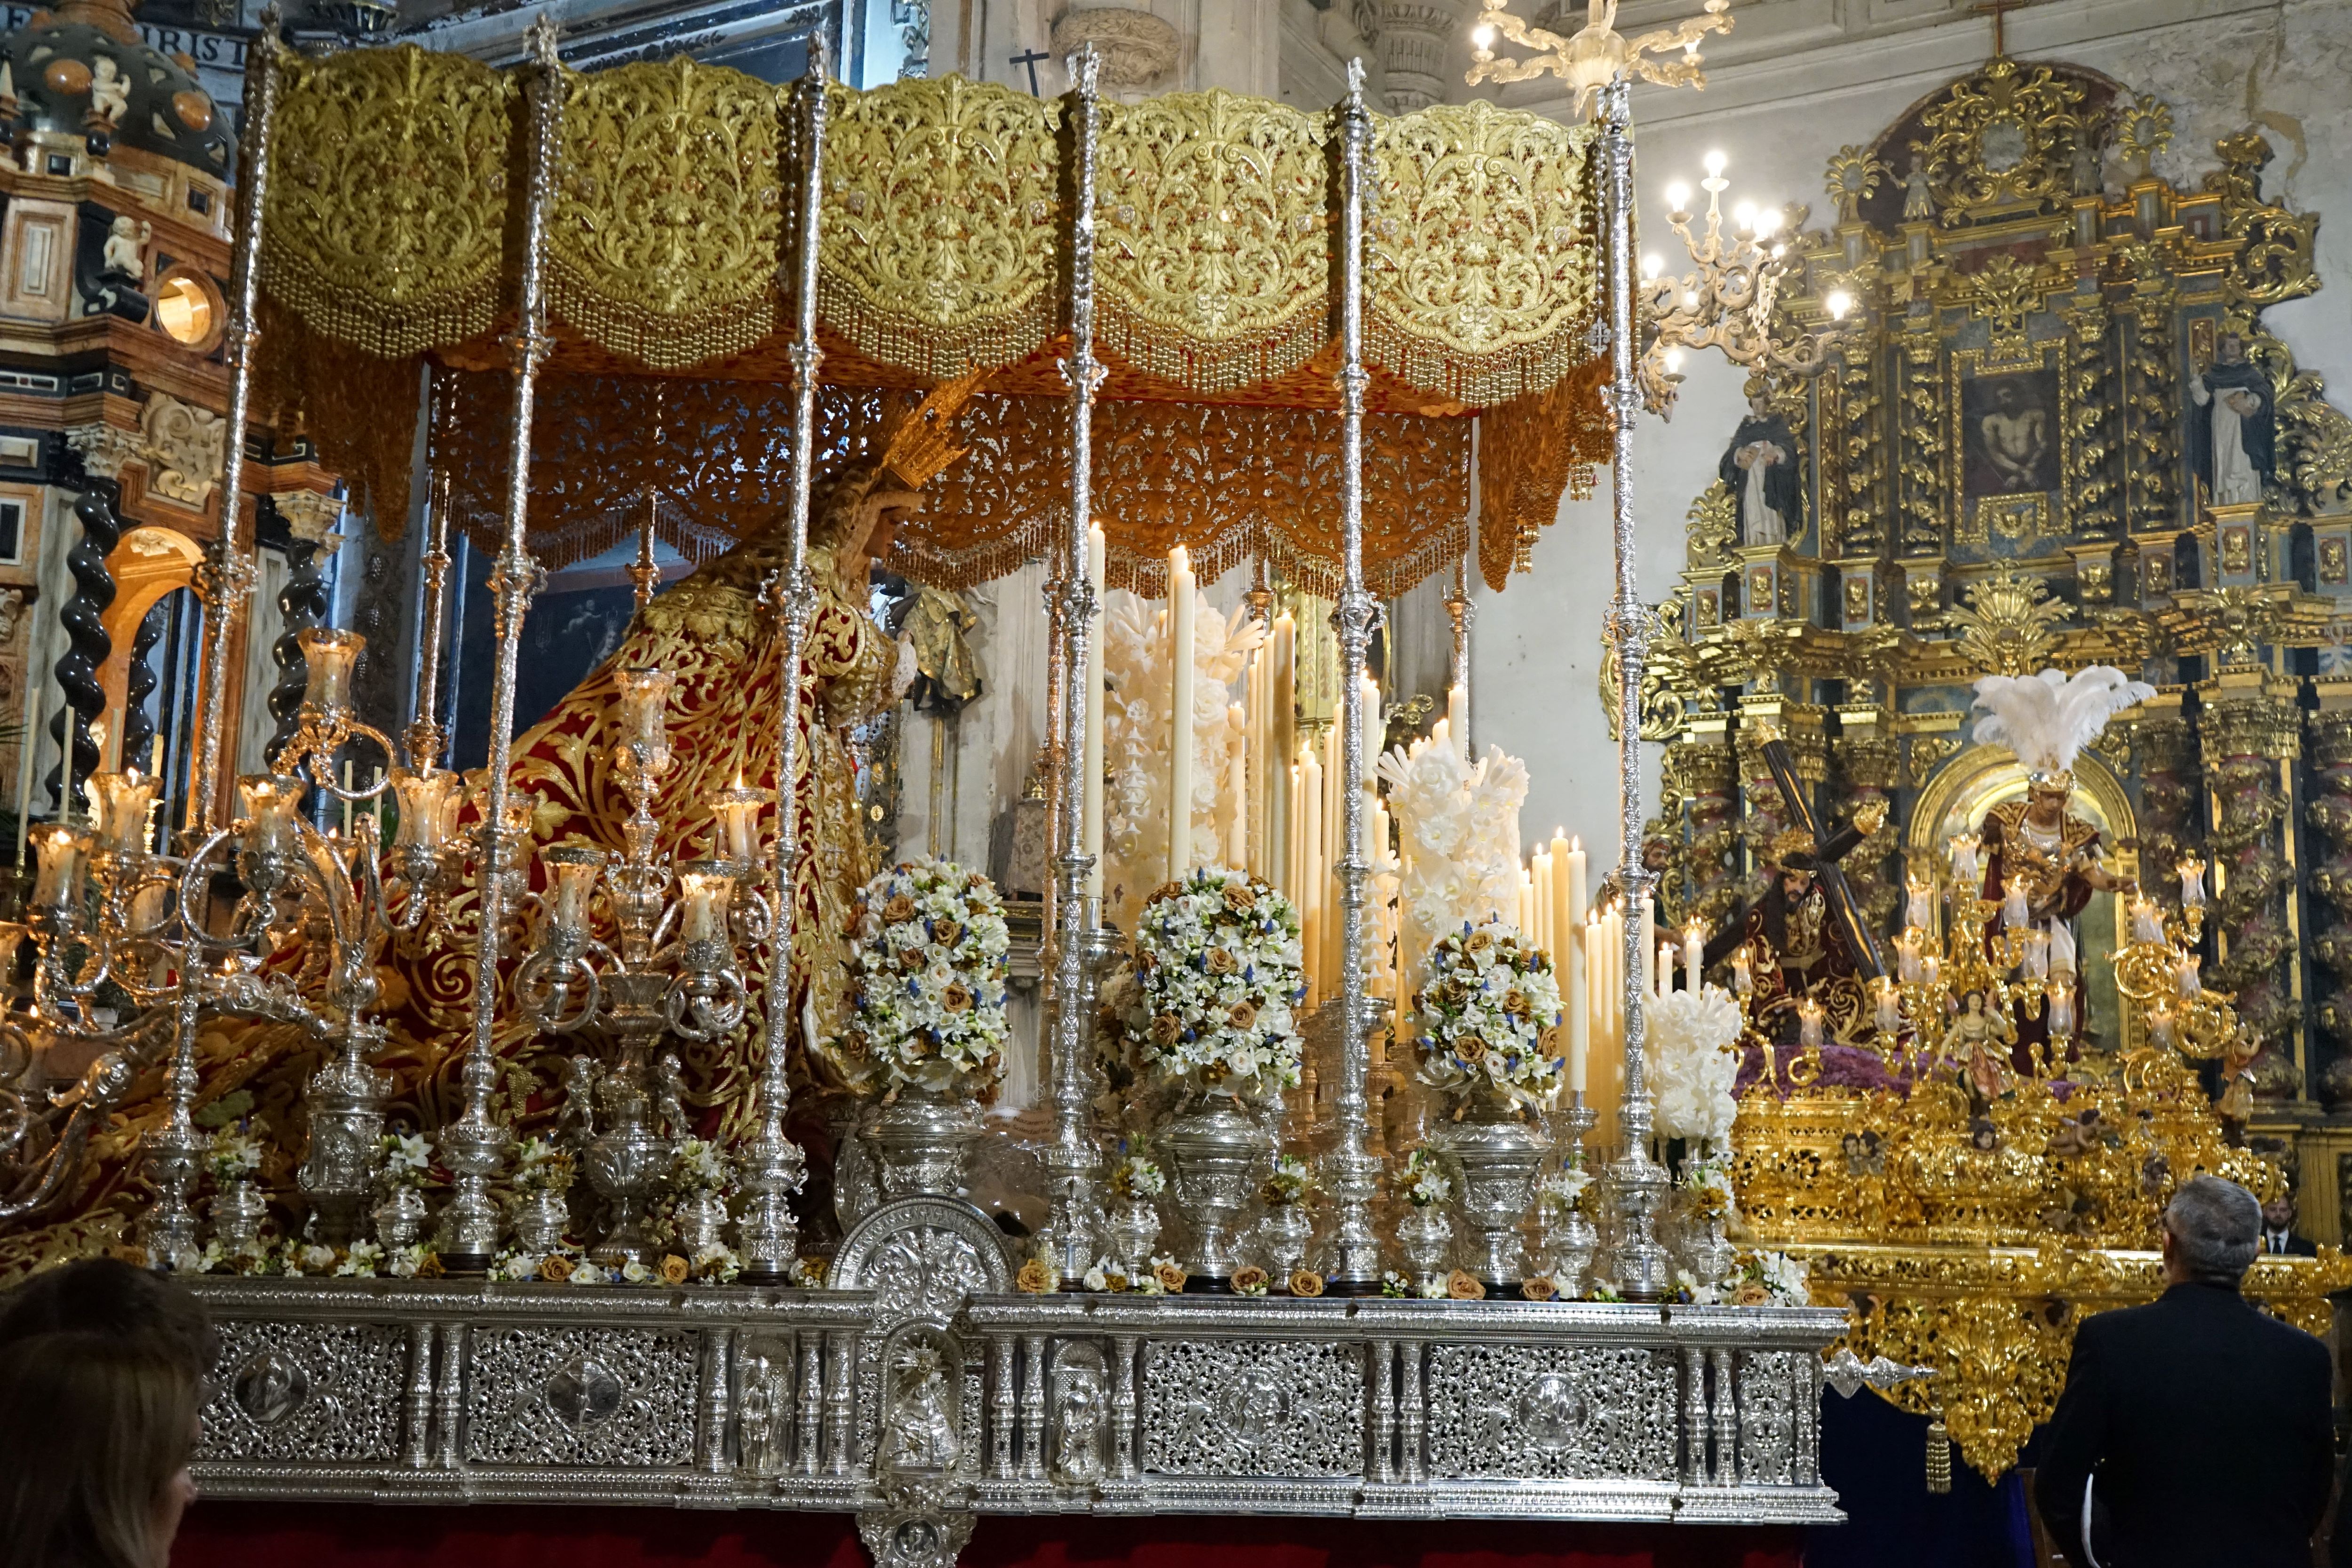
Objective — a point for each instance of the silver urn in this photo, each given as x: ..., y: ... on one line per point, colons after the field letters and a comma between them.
x: 238, y: 1210
x: 1217, y: 1155
x: 540, y: 1218
x: 921, y: 1140
x: 400, y: 1217
x: 1499, y: 1155
x: 1132, y: 1226
x: 1427, y: 1236
x: 1284, y: 1236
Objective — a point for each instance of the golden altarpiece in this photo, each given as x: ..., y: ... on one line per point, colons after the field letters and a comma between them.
x: 2007, y: 459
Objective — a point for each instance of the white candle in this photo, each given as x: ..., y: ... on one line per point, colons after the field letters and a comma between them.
x: 1439, y: 734
x: 1180, y: 714
x: 1641, y: 924
x: 1237, y: 791
x: 1664, y: 974
x: 1526, y: 898
x: 1096, y: 557
x: 1457, y: 716
x: 1291, y: 879
x: 1311, y: 879
x: 1538, y: 923
x: 1371, y: 692
x: 1282, y: 737
x: 1253, y: 779
x: 1694, y: 949
x: 1579, y: 1006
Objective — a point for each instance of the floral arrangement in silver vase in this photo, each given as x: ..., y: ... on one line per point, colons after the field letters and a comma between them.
x: 1133, y: 1224
x: 1566, y: 1239
x: 231, y: 1159
x: 543, y: 1174
x: 1425, y: 1233
x: 1758, y: 1279
x: 1694, y: 1062
x: 1287, y: 1230
x: 1206, y: 1010
x: 926, y: 1020
x: 404, y: 1164
x: 1487, y: 1000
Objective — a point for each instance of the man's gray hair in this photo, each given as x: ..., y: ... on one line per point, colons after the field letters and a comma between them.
x: 2217, y: 1226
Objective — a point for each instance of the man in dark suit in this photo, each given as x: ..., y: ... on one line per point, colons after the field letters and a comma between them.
x: 2205, y: 1420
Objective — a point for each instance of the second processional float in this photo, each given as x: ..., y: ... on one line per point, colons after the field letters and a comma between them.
x: 589, y: 1128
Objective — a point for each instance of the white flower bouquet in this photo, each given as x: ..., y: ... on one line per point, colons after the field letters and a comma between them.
x: 1217, y: 972
x: 1136, y: 1179
x: 407, y: 1158
x: 1559, y: 1192
x: 233, y: 1154
x: 1483, y: 1011
x: 1690, y: 1037
x: 930, y: 970
x: 697, y: 1166
x: 540, y: 1166
x: 1426, y: 1185
x: 1758, y: 1279
x: 1290, y: 1181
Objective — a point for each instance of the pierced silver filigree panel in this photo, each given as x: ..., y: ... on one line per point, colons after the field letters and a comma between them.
x: 1244, y: 1408
x: 1768, y: 1416
x: 1550, y: 1413
x: 319, y: 1392
x: 582, y: 1396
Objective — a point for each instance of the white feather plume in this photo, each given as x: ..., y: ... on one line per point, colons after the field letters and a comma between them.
x: 2048, y: 718
x: 1458, y: 830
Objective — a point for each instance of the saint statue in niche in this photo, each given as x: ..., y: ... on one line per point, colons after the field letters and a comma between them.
x: 1759, y: 467
x: 2008, y: 429
x: 2232, y: 428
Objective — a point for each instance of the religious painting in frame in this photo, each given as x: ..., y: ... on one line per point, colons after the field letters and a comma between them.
x: 2010, y: 433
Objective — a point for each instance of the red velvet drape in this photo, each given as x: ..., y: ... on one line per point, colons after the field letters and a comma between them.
x: 312, y: 1535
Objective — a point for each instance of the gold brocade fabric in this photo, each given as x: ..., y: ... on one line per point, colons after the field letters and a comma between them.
x: 358, y: 409
x: 664, y: 234
x: 942, y: 224
x: 386, y: 229
x: 1231, y: 483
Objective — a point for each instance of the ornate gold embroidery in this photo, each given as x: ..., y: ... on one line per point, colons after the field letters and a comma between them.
x: 387, y: 206
x: 666, y: 225
x: 1213, y: 236
x: 1484, y: 273
x: 941, y: 216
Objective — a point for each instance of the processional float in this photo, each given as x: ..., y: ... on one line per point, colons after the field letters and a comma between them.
x: 906, y: 1378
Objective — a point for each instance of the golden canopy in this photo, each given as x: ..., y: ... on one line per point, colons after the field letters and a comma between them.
x: 386, y: 234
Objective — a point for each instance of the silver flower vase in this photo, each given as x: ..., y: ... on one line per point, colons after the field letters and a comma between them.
x: 1500, y: 1154
x: 400, y: 1217
x: 1426, y: 1236
x: 1707, y: 1251
x: 701, y: 1221
x: 1132, y: 1228
x: 1284, y: 1236
x: 540, y: 1218
x: 1217, y: 1155
x: 921, y: 1141
x: 1564, y: 1244
x: 238, y: 1210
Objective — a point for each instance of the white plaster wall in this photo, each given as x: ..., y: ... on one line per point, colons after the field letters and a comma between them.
x: 1797, y: 79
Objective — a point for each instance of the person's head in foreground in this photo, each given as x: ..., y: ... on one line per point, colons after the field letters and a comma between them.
x: 2212, y: 1228
x: 95, y: 1431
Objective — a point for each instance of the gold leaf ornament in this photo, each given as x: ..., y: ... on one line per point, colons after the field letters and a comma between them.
x: 387, y: 206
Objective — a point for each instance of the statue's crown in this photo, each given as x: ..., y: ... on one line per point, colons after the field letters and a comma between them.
x: 917, y: 447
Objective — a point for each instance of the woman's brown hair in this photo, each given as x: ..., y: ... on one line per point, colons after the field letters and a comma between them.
x: 93, y: 1429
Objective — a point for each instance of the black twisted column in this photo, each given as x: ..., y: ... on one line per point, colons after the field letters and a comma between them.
x: 139, y: 685
x: 88, y: 646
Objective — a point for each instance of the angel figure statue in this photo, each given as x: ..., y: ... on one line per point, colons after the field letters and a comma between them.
x: 1976, y: 1043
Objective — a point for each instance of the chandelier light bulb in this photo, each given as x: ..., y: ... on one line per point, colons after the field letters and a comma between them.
x: 1673, y: 362
x: 1744, y: 214
x: 1838, y: 303
x: 1652, y: 264
x: 1678, y: 196
x: 1768, y: 220
x: 1483, y: 36
x: 1690, y: 298
x: 1716, y: 163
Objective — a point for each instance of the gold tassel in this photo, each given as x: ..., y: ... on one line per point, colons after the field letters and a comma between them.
x: 1939, y: 1455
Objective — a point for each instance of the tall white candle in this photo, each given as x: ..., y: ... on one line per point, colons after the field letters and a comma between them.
x: 1579, y: 1005
x: 1538, y: 921
x: 1694, y: 949
x: 1527, y: 912
x: 1096, y: 557
x: 1237, y: 787
x: 1180, y: 714
x: 1293, y: 882
x: 1282, y: 738
x: 1457, y: 716
x: 1664, y: 974
x: 1311, y: 869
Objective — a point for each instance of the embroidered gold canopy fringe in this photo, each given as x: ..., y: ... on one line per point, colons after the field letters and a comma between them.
x: 386, y: 238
